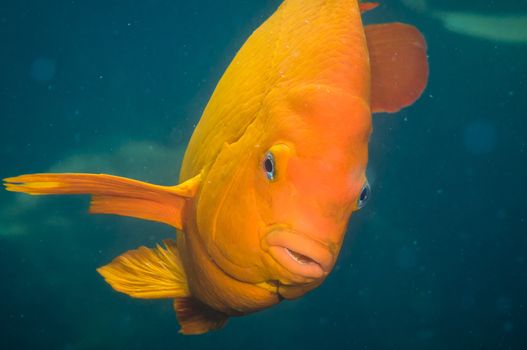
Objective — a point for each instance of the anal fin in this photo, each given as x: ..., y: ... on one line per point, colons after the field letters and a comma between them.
x: 194, y: 317
x: 148, y: 273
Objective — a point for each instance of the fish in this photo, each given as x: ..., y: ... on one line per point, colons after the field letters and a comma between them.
x: 506, y: 28
x: 273, y: 170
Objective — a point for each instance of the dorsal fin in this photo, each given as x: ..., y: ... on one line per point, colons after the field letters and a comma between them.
x: 399, y: 65
x: 367, y: 6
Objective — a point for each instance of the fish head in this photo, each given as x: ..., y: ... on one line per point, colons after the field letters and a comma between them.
x: 274, y: 206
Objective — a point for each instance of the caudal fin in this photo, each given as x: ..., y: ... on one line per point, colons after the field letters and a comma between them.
x: 399, y: 65
x: 114, y: 194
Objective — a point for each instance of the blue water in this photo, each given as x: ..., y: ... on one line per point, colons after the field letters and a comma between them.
x: 437, y: 260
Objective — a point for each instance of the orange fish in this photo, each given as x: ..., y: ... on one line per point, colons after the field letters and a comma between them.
x: 273, y: 171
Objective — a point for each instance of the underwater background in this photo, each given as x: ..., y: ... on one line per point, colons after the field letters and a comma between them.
x: 437, y: 260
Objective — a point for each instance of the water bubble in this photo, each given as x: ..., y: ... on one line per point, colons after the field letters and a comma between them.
x: 43, y: 69
x: 480, y: 137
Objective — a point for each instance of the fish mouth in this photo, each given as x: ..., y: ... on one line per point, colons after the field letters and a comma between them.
x: 299, y: 254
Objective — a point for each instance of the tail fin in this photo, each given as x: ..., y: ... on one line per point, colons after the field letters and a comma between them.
x: 114, y: 194
x: 399, y: 65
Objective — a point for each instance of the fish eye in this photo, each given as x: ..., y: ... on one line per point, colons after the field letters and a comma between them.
x: 365, y: 194
x: 269, y: 166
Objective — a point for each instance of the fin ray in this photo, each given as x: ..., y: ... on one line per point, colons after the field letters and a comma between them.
x: 148, y: 273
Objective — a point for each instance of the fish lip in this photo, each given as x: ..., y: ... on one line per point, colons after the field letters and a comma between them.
x: 299, y: 254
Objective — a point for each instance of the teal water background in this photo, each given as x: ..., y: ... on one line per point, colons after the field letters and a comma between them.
x: 437, y: 260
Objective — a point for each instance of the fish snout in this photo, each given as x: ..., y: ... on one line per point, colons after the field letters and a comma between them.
x: 299, y: 254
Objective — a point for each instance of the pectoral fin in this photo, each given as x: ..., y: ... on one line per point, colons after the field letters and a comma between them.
x: 114, y: 194
x: 399, y: 65
x: 157, y: 274
x: 194, y: 317
x: 148, y: 273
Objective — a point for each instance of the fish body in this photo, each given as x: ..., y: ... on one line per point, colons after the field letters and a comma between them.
x: 274, y: 168
x: 280, y: 78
